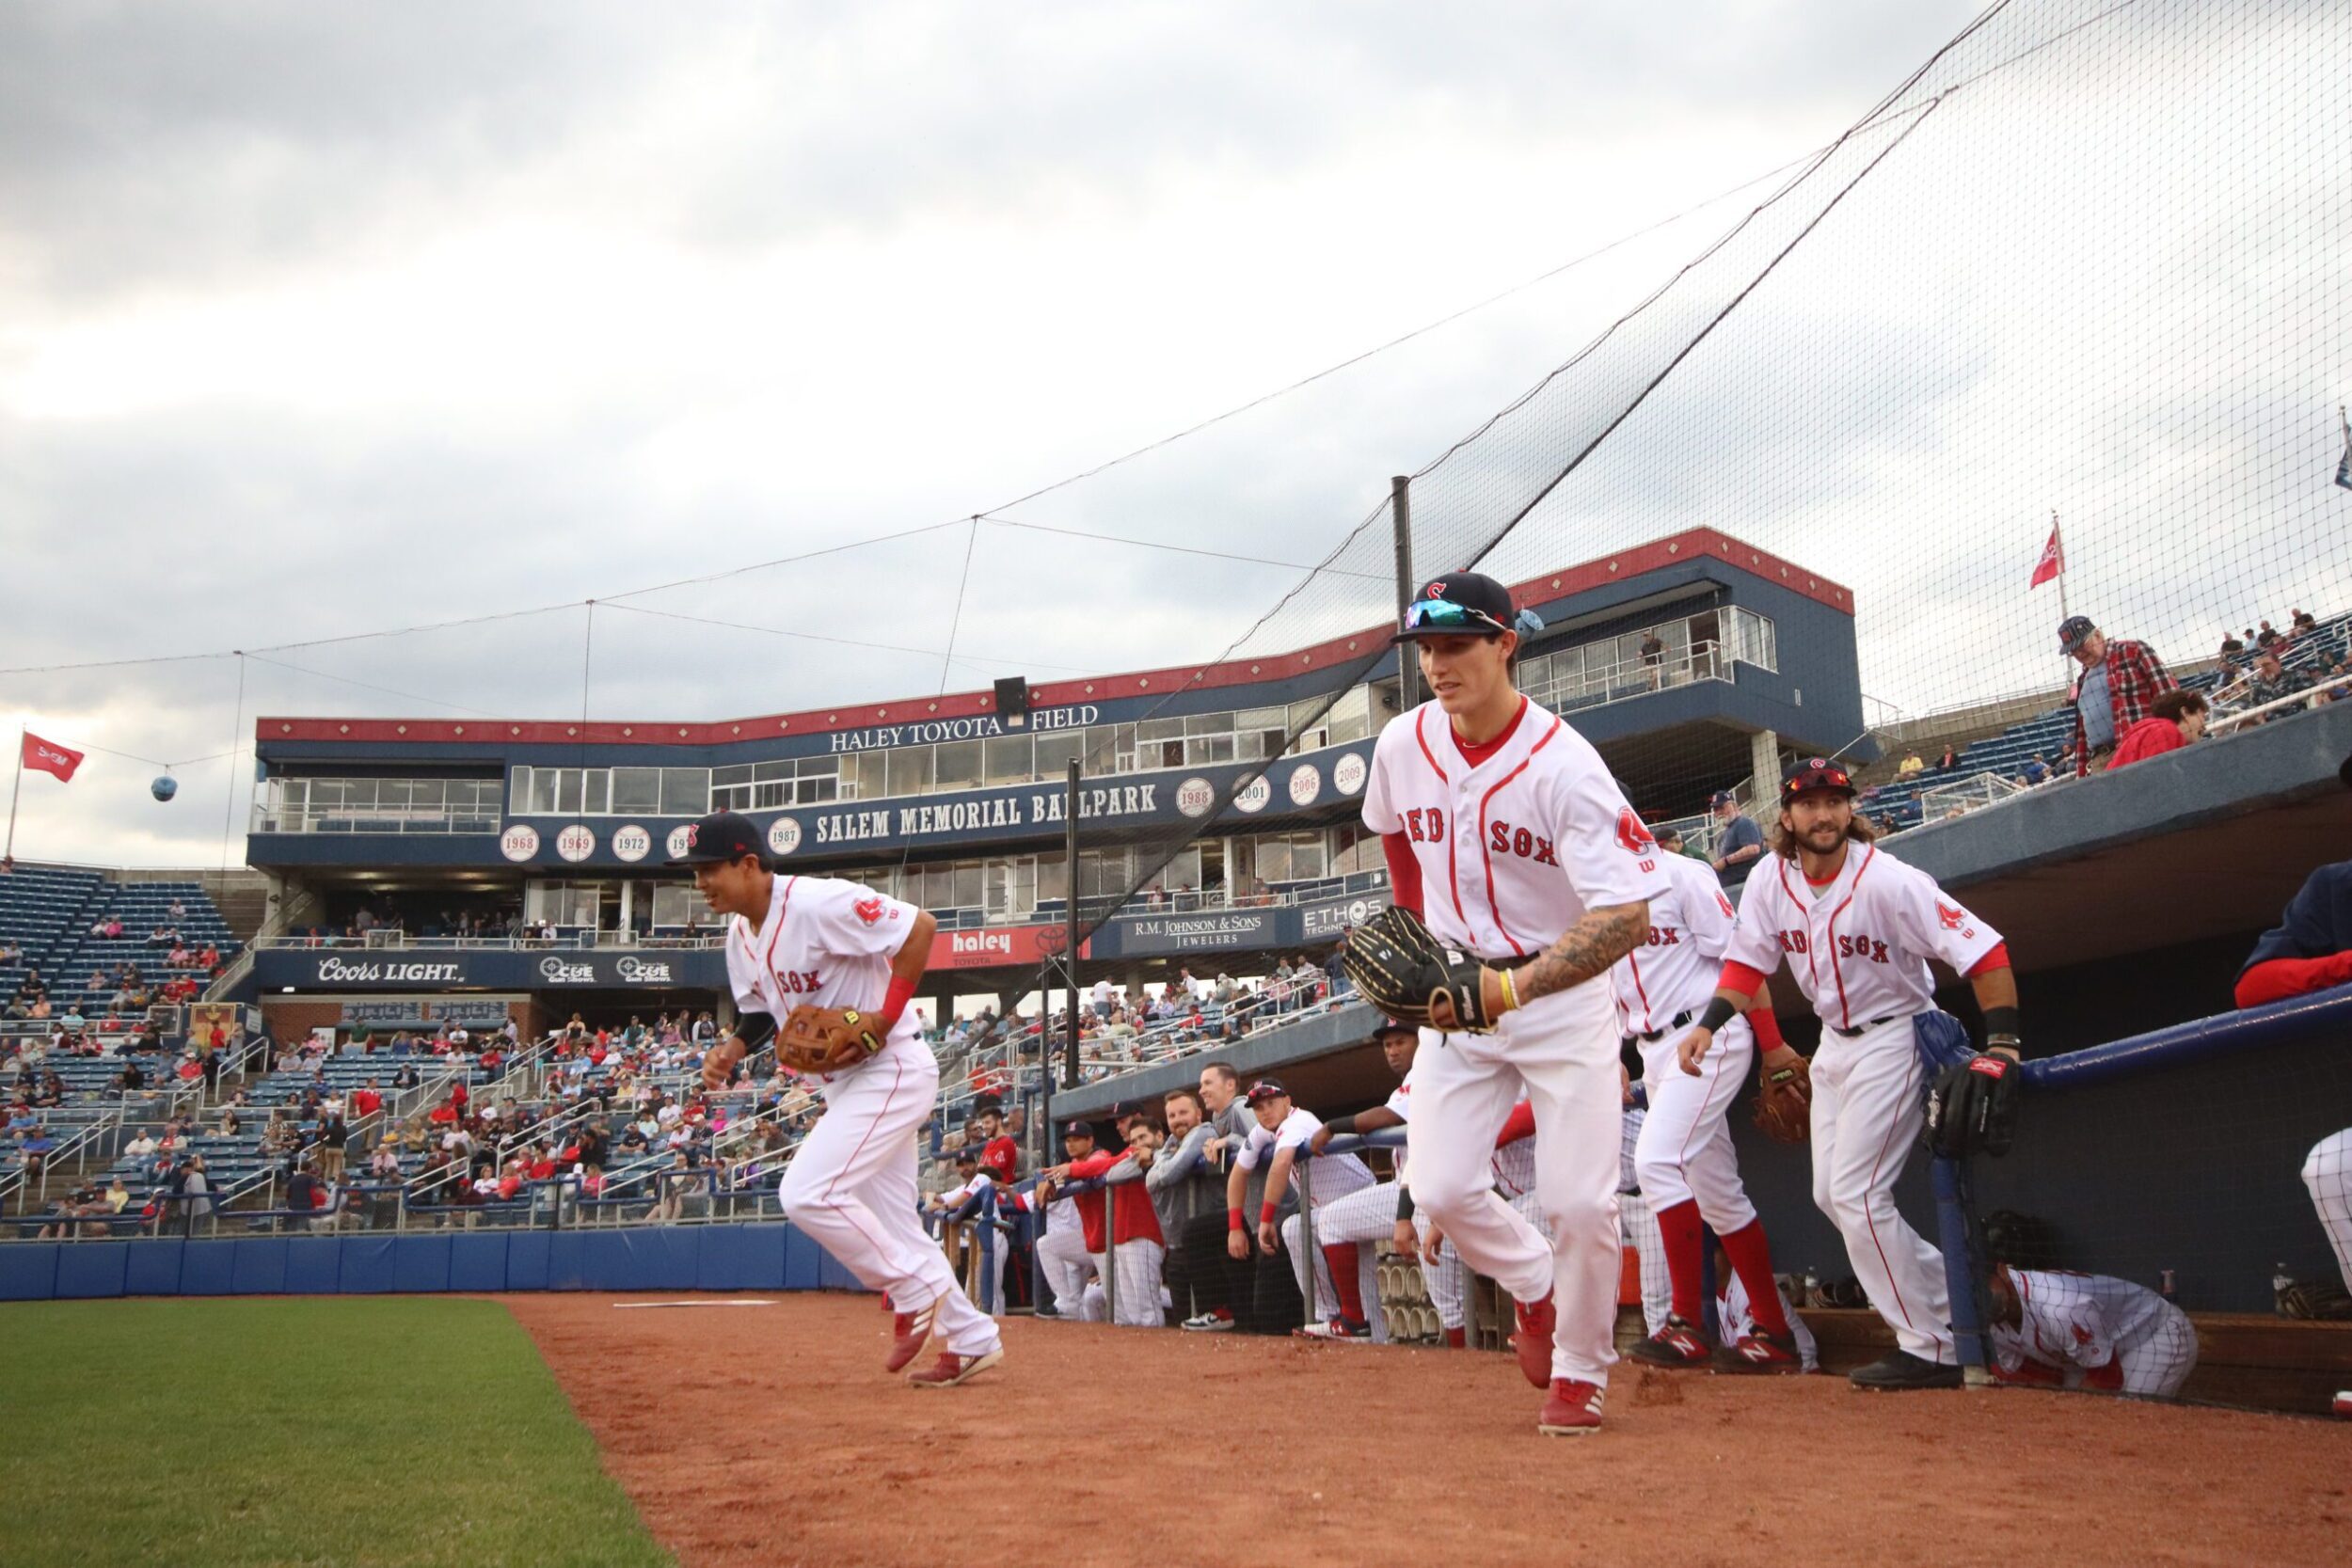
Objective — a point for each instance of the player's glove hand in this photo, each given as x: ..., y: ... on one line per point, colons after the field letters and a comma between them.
x: 1974, y: 1108
x: 1783, y: 1096
x: 826, y: 1039
x: 719, y: 1063
x: 1408, y: 973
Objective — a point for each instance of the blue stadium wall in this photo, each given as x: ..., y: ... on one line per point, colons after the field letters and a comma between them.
x: 769, y: 1257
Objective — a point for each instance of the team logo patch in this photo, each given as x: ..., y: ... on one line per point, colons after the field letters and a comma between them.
x: 1951, y: 917
x: 1632, y: 837
x: 868, y: 910
x: 1434, y: 590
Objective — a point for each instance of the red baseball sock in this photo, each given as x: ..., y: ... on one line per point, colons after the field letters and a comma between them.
x: 1679, y: 1231
x: 1341, y: 1257
x: 1752, y: 1260
x: 1457, y: 1338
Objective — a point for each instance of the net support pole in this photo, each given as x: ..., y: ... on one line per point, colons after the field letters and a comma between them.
x: 1070, y: 929
x: 16, y: 791
x: 1400, y: 518
x: 1964, y: 1281
x: 1042, y: 1134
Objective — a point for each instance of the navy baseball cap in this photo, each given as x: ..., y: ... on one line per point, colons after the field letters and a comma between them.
x: 1078, y: 1129
x: 2073, y: 632
x: 1396, y: 1026
x: 1720, y: 798
x: 1264, y: 1089
x: 1459, y: 604
x: 724, y: 835
x: 1814, y: 773
x: 967, y: 1156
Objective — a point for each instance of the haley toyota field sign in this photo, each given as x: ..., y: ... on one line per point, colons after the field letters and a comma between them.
x: 999, y: 946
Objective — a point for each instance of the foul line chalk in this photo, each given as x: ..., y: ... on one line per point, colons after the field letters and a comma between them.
x: 624, y: 1305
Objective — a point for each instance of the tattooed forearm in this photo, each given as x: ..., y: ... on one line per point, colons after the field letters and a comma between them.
x: 1586, y: 949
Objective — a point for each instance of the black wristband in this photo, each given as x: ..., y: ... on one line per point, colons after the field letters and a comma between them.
x: 1404, y: 1200
x: 1719, y: 1012
x: 1341, y: 1127
x: 2000, y: 1021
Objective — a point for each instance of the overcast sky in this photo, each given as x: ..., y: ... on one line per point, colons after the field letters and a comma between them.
x: 328, y: 319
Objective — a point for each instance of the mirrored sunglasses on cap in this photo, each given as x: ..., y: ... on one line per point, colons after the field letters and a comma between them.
x: 1445, y: 615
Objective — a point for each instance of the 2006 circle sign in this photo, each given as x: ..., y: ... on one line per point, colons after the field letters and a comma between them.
x: 577, y: 842
x: 1306, y: 783
x: 632, y: 842
x: 784, y: 836
x: 519, y: 842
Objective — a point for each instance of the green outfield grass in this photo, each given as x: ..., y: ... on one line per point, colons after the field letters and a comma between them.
x: 359, y: 1432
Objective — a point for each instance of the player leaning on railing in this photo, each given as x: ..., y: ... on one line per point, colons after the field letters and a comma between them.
x: 1857, y: 928
x: 827, y: 968
x: 1508, y: 839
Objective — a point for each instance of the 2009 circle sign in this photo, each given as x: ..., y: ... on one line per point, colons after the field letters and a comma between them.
x: 1347, y: 774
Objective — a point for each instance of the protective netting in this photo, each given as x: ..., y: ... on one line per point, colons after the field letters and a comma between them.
x: 2089, y: 261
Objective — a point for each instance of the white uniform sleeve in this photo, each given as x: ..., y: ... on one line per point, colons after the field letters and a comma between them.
x: 2076, y: 1329
x: 1707, y: 913
x: 1755, y: 936
x: 1297, y: 1129
x: 1932, y: 922
x: 1380, y: 814
x: 1603, y: 845
x: 850, y: 920
x: 1248, y: 1154
x: 1401, y: 1102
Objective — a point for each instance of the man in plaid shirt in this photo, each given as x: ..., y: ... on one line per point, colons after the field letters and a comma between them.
x: 2120, y: 683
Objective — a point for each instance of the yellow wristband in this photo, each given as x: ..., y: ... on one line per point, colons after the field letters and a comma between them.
x: 1510, y: 992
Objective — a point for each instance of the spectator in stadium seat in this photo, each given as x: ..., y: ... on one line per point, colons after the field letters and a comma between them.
x: 2274, y: 682
x: 2120, y: 683
x: 1949, y: 761
x: 2177, y: 718
x: 2270, y: 638
x: 2036, y: 772
x: 1741, y: 841
x: 1910, y: 767
x: 2232, y: 646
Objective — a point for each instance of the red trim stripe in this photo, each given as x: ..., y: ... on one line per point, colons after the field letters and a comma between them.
x: 1869, y: 853
x: 1494, y: 907
x: 1453, y: 832
x: 1869, y: 1219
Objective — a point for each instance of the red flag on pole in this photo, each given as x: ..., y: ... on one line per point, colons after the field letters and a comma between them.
x: 2053, y: 561
x: 50, y: 757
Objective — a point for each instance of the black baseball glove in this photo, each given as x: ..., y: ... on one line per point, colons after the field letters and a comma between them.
x: 1403, y: 970
x: 1974, y: 1108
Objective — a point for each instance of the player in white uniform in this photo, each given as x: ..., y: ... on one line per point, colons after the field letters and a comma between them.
x: 1637, y: 1228
x: 1688, y: 1172
x: 2088, y: 1331
x: 1381, y: 1211
x: 851, y: 1185
x: 1858, y: 928
x: 1282, y: 1132
x: 1062, y: 1257
x: 969, y: 1201
x: 1504, y: 830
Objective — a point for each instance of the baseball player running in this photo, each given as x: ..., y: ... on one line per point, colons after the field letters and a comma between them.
x: 817, y: 942
x: 2088, y: 1331
x: 1282, y: 1132
x: 1508, y: 839
x: 1858, y: 926
x: 1689, y: 1174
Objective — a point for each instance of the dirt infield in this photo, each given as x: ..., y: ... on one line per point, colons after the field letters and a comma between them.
x: 771, y: 1435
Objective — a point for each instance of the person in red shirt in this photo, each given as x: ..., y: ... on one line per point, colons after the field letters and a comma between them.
x: 1135, y: 1247
x: 2174, y: 720
x: 366, y: 1101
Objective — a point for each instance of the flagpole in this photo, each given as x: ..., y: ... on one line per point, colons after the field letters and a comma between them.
x: 11, y: 852
x: 2065, y: 661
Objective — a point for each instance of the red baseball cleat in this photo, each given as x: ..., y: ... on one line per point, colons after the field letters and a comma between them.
x: 951, y: 1369
x: 1761, y: 1351
x: 912, y: 1331
x: 1534, y: 1340
x: 1573, y: 1411
x: 1338, y: 1328
x: 1678, y: 1344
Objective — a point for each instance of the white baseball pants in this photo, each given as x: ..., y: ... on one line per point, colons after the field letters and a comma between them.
x: 1142, y: 1301
x: 1637, y: 1228
x: 1562, y: 1051
x: 2158, y: 1363
x: 2328, y: 1173
x: 1448, y: 1281
x: 1063, y: 1260
x: 852, y: 1188
x: 1684, y: 1148
x: 1868, y: 1106
x: 1366, y: 1215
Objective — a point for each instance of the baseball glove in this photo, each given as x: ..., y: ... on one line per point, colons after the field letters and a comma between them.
x: 826, y: 1039
x: 1973, y: 1109
x: 1784, y: 1100
x: 1401, y: 970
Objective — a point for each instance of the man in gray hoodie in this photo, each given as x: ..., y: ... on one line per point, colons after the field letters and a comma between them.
x: 1190, y: 1195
